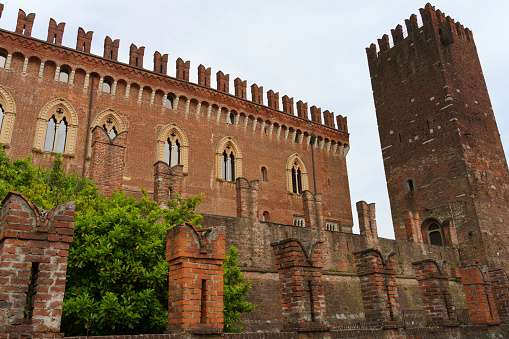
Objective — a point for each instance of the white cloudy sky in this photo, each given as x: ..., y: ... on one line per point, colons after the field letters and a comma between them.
x: 310, y: 50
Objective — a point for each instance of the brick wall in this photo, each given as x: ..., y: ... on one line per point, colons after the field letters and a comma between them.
x: 481, y: 305
x: 500, y: 290
x: 34, y: 246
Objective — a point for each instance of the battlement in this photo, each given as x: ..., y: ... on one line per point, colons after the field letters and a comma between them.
x: 435, y: 25
x: 83, y: 44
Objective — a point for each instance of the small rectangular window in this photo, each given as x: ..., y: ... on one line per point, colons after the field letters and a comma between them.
x: 299, y: 221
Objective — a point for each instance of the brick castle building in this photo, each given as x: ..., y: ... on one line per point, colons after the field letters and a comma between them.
x: 275, y: 177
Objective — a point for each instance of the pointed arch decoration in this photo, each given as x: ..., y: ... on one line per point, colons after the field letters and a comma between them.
x: 296, y: 175
x: 9, y: 114
x: 111, y: 121
x: 176, y: 135
x: 60, y: 110
x: 228, y: 160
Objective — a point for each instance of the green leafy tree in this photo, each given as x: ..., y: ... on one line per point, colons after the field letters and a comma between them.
x: 117, y: 277
x: 235, y: 289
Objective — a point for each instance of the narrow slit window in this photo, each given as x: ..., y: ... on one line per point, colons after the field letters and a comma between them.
x: 294, y: 180
x: 311, y: 304
x: 264, y: 173
x: 410, y: 187
x: 232, y: 167
x: 203, y: 306
x: 30, y: 298
x: 225, y: 166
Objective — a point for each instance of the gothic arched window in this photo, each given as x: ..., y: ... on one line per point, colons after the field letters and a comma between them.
x: 297, y: 177
x: 228, y: 170
x: 56, y: 133
x: 172, y: 150
x: 435, y: 235
x: 229, y: 160
x: 172, y: 146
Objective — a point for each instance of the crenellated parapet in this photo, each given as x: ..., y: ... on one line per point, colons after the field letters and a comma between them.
x: 25, y: 23
x: 55, y: 32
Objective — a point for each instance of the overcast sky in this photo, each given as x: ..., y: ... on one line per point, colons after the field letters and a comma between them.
x: 313, y: 51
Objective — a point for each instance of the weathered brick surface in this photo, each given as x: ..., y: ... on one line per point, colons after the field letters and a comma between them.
x: 435, y: 292
x: 195, y: 258
x: 367, y: 223
x: 437, y: 128
x: 377, y: 275
x: 33, y: 262
x: 500, y: 290
x: 481, y: 305
x: 299, y: 266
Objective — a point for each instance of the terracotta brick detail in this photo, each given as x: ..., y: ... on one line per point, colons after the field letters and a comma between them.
x: 316, y: 114
x: 240, y: 88
x: 302, y: 109
x: 195, y: 260
x: 223, y: 82
x: 273, y: 99
x: 481, y: 305
x: 436, y: 296
x: 377, y: 275
x: 313, y: 210
x: 167, y: 182
x: 328, y: 119
x: 55, y: 32
x: 107, y: 163
x: 204, y: 76
x: 136, y: 56
x: 247, y: 198
x: 111, y: 48
x: 183, y: 69
x: 33, y: 257
x: 160, y: 63
x: 500, y: 291
x: 342, y: 123
x: 84, y: 40
x: 413, y: 227
x: 288, y: 105
x: 25, y: 23
x: 300, y: 277
x: 257, y: 94
x: 367, y: 223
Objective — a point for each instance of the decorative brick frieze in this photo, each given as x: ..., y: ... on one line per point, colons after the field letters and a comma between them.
x: 377, y: 275
x: 195, y: 258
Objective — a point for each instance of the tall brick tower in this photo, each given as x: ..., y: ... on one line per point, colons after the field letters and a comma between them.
x: 442, y: 153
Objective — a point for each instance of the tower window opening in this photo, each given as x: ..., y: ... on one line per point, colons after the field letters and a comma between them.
x: 63, y: 76
x: 434, y: 235
x: 264, y: 173
x: 409, y: 186
x: 265, y: 216
x: 106, y: 86
x: 169, y: 102
x: 3, y: 60
x: 231, y: 119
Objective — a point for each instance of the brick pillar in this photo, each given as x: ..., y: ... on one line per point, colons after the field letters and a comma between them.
x: 500, y: 290
x: 223, y: 82
x: 288, y: 105
x: 195, y: 260
x: 107, y: 163
x: 161, y: 183
x: 183, y: 69
x: 160, y: 63
x: 247, y: 198
x: 377, y: 275
x: 273, y: 99
x: 34, y: 247
x: 367, y: 223
x: 257, y: 94
x: 111, y: 48
x: 55, y: 32
x: 84, y: 40
x: 176, y: 175
x: 450, y: 235
x: 313, y: 211
x: 24, y: 23
x: 412, y: 226
x: 302, y: 109
x: 481, y: 305
x: 240, y: 88
x: 204, y: 76
x: 136, y: 56
x: 433, y: 281
x: 300, y: 278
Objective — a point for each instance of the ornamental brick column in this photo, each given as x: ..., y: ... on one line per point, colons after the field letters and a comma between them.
x: 300, y: 276
x: 500, y: 290
x: 33, y: 263
x: 195, y: 258
x: 107, y: 163
x: 377, y: 275
x: 477, y: 285
x: 433, y: 281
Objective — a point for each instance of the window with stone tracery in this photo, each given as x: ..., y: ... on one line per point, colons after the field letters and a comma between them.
x: 297, y: 177
x: 110, y: 128
x: 172, y: 150
x: 7, y: 116
x: 229, y: 160
x: 56, y: 132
